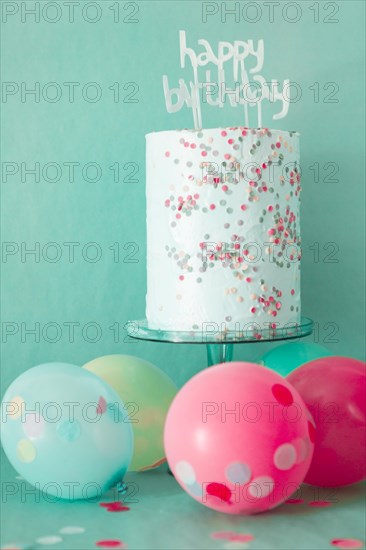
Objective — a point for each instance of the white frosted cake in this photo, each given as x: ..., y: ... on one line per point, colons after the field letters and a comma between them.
x: 223, y: 233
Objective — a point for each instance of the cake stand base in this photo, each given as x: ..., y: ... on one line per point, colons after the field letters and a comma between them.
x: 219, y: 353
x: 220, y: 344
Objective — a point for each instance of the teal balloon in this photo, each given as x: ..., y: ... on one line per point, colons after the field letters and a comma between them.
x: 286, y: 358
x: 66, y: 431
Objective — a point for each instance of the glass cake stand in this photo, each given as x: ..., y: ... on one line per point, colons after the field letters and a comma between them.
x: 220, y: 344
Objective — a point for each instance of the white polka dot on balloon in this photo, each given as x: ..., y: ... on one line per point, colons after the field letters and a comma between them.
x: 52, y: 539
x: 261, y: 486
x: 284, y: 457
x: 72, y: 530
x: 238, y: 472
x: 185, y: 472
x: 302, y: 449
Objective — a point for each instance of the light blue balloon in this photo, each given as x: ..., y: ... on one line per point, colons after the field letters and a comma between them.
x: 66, y: 431
x: 287, y: 357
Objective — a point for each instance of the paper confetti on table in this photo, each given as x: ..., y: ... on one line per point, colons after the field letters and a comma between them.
x: 347, y: 543
x: 72, y: 530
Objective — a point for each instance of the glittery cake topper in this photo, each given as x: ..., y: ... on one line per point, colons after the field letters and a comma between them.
x: 249, y: 90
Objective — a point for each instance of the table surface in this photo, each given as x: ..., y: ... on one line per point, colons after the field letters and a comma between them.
x: 161, y: 515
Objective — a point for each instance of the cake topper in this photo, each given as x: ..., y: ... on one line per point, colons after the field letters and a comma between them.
x: 249, y: 90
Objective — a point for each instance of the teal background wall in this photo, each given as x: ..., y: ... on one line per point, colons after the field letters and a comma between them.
x: 97, y: 298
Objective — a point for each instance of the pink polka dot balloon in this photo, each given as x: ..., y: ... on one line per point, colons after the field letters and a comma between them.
x: 238, y: 438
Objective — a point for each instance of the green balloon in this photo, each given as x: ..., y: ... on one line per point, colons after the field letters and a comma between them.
x: 286, y: 358
x: 147, y: 393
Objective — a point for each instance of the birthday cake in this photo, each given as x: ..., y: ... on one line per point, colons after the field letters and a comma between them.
x: 223, y: 233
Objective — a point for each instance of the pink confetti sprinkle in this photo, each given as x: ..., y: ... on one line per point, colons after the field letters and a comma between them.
x: 114, y: 506
x: 271, y: 231
x: 278, y: 305
x: 167, y: 202
x: 186, y: 144
x: 282, y: 395
x: 244, y: 133
x: 225, y: 188
x: 264, y: 165
x: 196, y: 196
x: 204, y: 153
x: 193, y: 145
x: 167, y: 154
x: 110, y: 543
x: 292, y: 292
x: 212, y: 207
x: 223, y: 133
x: 181, y: 277
x: 270, y: 208
x: 227, y: 156
x: 232, y: 536
x: 347, y: 543
x: 230, y: 141
x: 241, y: 537
x: 253, y: 309
x: 102, y: 406
x: 117, y: 507
x: 243, y: 207
x: 278, y: 144
x: 226, y: 535
x: 248, y: 279
x: 320, y: 503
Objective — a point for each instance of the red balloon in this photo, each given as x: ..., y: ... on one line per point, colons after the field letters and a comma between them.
x: 334, y: 389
